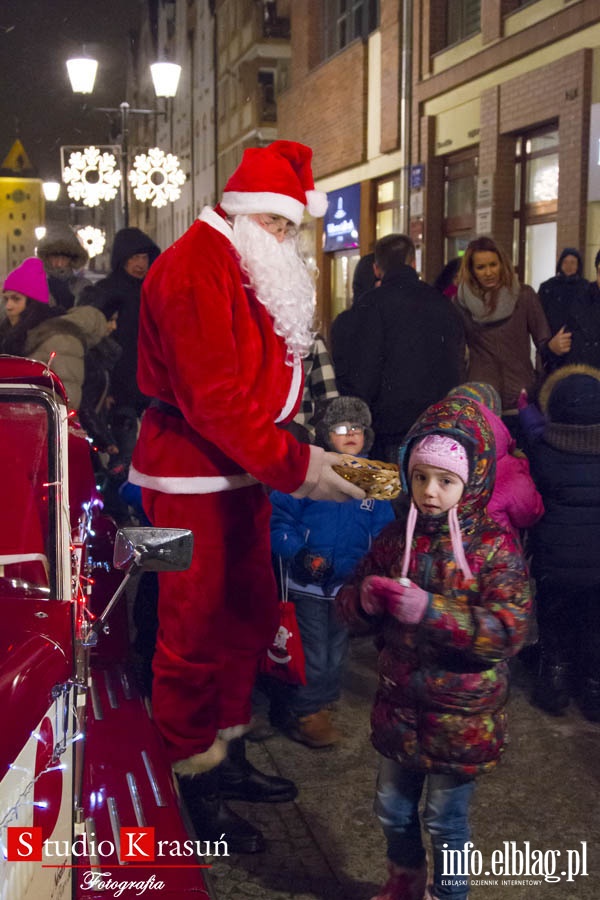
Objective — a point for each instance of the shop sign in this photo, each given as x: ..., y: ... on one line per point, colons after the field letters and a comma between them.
x: 417, y: 177
x: 485, y: 190
x: 416, y: 204
x: 483, y: 220
x: 342, y: 219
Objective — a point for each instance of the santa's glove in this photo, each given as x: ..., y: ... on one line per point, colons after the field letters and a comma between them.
x: 322, y: 483
x: 310, y: 568
x: 408, y: 602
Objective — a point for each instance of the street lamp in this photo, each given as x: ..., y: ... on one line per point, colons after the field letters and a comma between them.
x: 51, y: 190
x: 165, y: 78
x: 82, y: 74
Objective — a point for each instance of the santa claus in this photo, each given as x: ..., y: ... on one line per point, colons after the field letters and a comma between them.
x: 225, y: 321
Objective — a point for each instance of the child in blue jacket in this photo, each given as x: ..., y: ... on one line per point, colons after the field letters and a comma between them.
x: 319, y: 544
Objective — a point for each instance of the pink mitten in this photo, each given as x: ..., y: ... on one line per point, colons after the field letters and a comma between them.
x: 408, y: 604
x: 374, y: 593
x: 523, y: 399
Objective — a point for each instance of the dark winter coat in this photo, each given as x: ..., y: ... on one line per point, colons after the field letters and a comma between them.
x: 403, y: 349
x: 565, y: 463
x: 443, y: 684
x: 93, y: 413
x: 569, y: 301
x: 120, y: 292
x: 14, y: 337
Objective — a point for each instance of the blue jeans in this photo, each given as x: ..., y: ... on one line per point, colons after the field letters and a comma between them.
x: 325, y: 643
x: 446, y: 819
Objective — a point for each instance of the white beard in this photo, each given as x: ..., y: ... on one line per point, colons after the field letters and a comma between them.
x: 282, y: 282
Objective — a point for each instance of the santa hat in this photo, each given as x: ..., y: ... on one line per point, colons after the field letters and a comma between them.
x: 29, y: 279
x: 275, y: 179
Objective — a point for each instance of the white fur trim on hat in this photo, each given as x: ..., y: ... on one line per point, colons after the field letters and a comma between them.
x: 236, y: 203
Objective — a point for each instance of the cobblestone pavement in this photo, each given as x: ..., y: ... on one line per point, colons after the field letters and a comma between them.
x: 328, y: 845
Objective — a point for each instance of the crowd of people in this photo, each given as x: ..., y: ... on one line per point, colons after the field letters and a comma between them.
x: 200, y: 380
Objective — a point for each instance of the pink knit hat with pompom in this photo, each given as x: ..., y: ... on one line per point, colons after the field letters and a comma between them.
x: 443, y: 453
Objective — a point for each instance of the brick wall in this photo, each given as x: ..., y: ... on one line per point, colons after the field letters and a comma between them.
x: 327, y: 108
x: 391, y: 74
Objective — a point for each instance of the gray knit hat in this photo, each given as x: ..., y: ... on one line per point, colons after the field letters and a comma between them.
x: 345, y: 409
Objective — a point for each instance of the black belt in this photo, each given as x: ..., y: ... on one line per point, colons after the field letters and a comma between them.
x: 165, y: 407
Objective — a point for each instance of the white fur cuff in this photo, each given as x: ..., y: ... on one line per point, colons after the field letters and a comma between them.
x: 202, y: 762
x: 234, y: 731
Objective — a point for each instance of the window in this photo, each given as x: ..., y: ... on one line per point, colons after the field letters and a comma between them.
x: 346, y: 20
x: 463, y: 20
x: 460, y: 194
x: 536, y: 205
x: 266, y: 86
x: 387, y: 214
x: 276, y: 20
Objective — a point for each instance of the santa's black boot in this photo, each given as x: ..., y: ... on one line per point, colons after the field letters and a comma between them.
x: 212, y: 819
x: 239, y: 780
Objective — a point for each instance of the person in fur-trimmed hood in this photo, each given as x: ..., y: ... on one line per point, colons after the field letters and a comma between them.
x: 565, y: 463
x: 446, y: 590
x: 63, y: 256
x: 319, y: 544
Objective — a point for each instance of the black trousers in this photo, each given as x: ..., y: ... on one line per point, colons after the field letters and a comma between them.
x: 569, y: 625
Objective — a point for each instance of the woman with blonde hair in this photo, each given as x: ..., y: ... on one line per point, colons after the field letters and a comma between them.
x: 501, y: 318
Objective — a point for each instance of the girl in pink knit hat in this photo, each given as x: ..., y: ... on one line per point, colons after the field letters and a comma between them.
x: 446, y: 590
x: 25, y: 304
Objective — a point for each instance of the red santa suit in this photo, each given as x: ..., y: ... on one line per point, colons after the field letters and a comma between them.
x: 209, y: 354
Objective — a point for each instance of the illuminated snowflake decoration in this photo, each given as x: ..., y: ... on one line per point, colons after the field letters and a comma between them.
x: 92, y: 176
x: 93, y: 239
x: 156, y: 176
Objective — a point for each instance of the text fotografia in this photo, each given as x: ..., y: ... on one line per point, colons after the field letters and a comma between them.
x: 515, y: 860
x: 103, y: 881
x: 135, y: 845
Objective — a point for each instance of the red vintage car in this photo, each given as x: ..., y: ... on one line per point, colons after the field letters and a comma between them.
x: 88, y: 803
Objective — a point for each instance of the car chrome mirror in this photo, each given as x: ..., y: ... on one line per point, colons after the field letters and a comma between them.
x: 154, y: 549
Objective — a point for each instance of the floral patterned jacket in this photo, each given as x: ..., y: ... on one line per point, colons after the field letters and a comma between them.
x: 443, y: 684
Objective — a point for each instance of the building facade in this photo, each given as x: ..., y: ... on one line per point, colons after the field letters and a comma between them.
x: 504, y: 94
x: 443, y: 118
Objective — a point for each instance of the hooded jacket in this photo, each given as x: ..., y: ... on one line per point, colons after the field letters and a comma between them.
x: 515, y: 502
x: 565, y: 462
x: 120, y: 292
x: 443, y: 684
x: 567, y: 301
x: 66, y: 286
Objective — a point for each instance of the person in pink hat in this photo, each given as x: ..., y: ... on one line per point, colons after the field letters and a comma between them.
x: 25, y: 302
x: 446, y: 590
x: 226, y: 318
